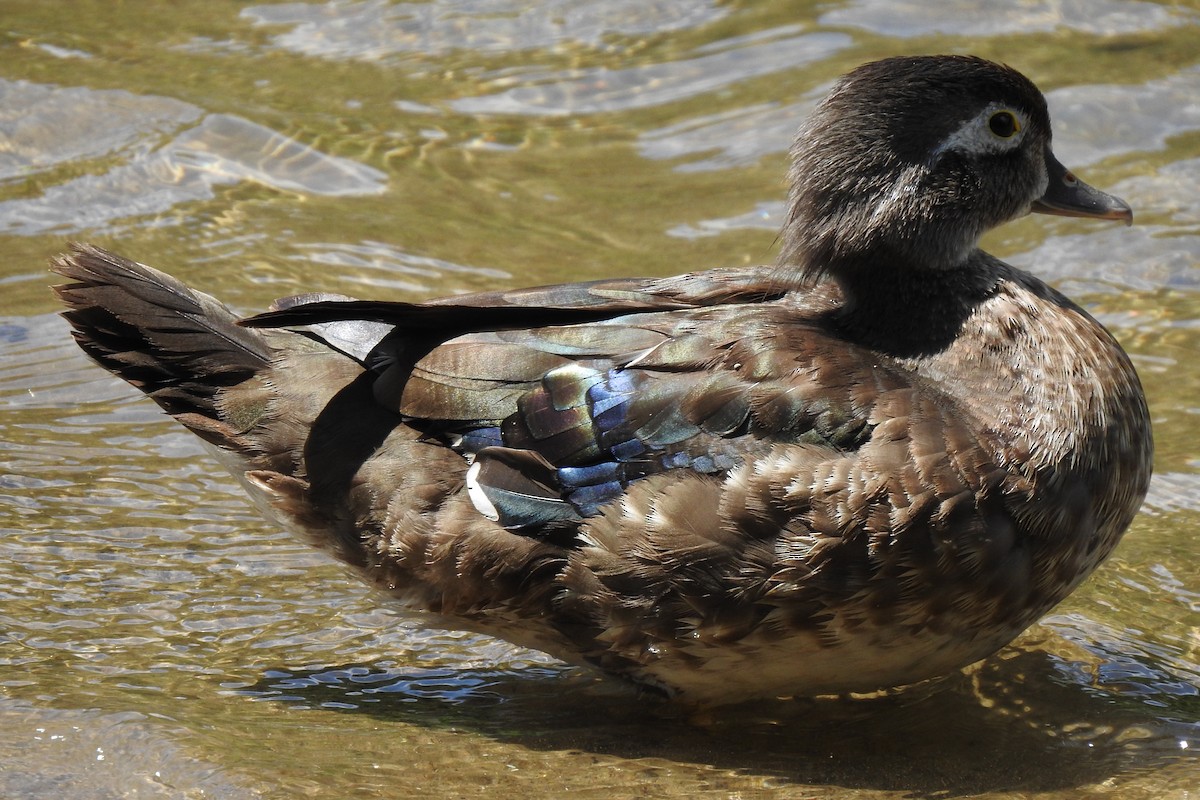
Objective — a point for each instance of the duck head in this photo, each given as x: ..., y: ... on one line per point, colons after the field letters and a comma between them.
x: 909, y: 160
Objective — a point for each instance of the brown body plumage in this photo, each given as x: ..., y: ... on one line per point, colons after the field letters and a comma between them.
x: 869, y: 465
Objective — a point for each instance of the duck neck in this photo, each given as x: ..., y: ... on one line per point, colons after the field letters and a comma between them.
x: 911, y: 312
x: 1048, y: 384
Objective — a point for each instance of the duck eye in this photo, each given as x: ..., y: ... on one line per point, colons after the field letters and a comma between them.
x: 1004, y: 124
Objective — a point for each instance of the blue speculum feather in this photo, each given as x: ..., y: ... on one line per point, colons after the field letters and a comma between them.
x: 589, y: 499
x: 584, y: 476
x: 475, y: 440
x: 628, y: 450
x: 597, y: 431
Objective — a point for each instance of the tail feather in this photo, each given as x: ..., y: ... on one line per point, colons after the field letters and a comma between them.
x: 178, y: 346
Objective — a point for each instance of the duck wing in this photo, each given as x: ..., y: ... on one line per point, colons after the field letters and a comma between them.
x: 562, y: 396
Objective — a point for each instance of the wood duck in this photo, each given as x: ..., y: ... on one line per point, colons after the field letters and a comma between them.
x: 869, y: 464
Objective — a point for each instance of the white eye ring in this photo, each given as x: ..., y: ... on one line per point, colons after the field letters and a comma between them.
x: 979, y: 134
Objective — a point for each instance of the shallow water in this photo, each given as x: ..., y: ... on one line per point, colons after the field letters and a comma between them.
x: 158, y: 639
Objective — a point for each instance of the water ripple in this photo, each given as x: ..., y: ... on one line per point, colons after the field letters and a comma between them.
x: 601, y: 89
x: 1097, y: 121
x: 375, y: 29
x: 221, y: 150
x: 42, y: 126
x: 911, y: 18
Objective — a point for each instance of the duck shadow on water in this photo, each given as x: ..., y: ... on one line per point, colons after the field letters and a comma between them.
x: 1013, y: 722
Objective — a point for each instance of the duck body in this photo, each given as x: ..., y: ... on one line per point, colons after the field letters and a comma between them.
x: 866, y: 466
